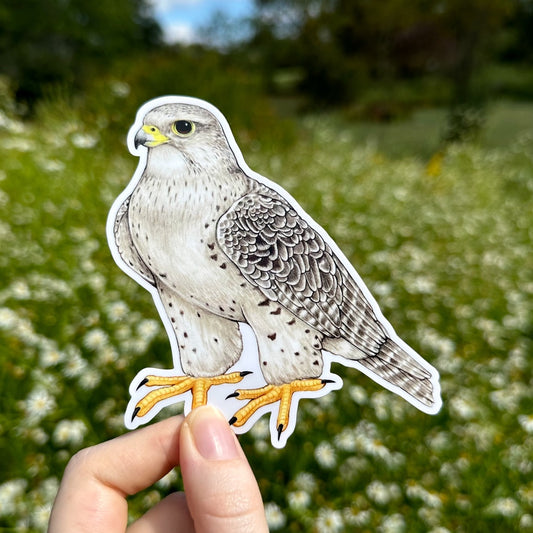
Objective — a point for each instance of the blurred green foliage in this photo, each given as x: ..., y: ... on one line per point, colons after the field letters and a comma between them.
x: 69, y: 42
x: 444, y: 247
x: 441, y: 234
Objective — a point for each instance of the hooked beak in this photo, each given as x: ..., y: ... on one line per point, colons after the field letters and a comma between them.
x: 150, y: 136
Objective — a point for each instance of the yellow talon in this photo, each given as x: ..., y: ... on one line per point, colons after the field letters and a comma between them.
x: 174, y: 385
x: 270, y: 394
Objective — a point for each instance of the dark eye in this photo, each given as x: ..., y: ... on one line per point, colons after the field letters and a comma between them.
x: 183, y: 127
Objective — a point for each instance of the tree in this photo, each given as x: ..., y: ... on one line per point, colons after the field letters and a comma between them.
x: 65, y: 41
x: 341, y: 43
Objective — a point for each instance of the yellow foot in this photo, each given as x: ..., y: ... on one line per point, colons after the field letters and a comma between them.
x: 270, y: 394
x: 173, y: 385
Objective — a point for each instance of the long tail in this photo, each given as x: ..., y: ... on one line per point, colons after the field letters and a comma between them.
x: 394, y: 365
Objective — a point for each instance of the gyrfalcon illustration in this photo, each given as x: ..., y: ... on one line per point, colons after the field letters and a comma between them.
x: 220, y: 246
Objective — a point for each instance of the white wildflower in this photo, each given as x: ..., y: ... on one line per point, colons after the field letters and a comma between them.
x: 46, y: 380
x: 325, y: 455
x: 79, y: 234
x: 4, y: 199
x: 299, y: 499
x: 8, y: 318
x: 274, y: 516
x: 380, y: 403
x: 261, y: 446
x: 509, y: 399
x: 382, y: 493
x: 360, y: 519
x: 20, y: 290
x: 354, y: 466
x: 38, y: 435
x: 526, y: 421
x: 120, y: 88
x: 52, y: 165
x: 117, y: 311
x: 417, y: 492
x: 105, y: 409
x: 107, y: 355
x: 526, y: 522
x: 96, y: 339
x: 345, y: 440
x: 430, y: 515
x: 74, y: 366
x: 525, y: 494
x: 10, y: 492
x: 151, y: 498
x: 463, y: 407
x: 133, y: 346
x: 392, y: 524
x: 40, y: 516
x: 24, y: 331
x: 69, y: 432
x: 329, y: 521
x: 260, y: 429
x: 90, y: 378
x: 97, y: 282
x: 38, y: 404
x: 122, y: 332
x: 506, y: 507
x: 440, y: 441
x: 147, y: 329
x: 167, y: 480
x: 326, y: 401
x: 305, y: 481
x: 50, y: 356
x: 358, y: 394
x: 18, y: 144
x: 48, y: 488
x: 84, y: 140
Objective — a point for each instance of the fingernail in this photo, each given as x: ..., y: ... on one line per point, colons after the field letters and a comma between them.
x: 212, y: 434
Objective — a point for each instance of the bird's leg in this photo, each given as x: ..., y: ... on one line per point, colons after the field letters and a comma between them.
x: 169, y: 386
x: 270, y: 394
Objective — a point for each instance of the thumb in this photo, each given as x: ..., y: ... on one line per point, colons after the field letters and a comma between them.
x: 222, y: 493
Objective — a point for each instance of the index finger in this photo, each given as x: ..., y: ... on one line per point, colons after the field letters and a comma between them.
x: 91, y: 496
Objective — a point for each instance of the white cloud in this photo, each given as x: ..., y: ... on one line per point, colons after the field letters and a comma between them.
x: 180, y: 32
x: 164, y: 6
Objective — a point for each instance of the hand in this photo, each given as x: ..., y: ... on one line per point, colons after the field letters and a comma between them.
x: 222, y: 493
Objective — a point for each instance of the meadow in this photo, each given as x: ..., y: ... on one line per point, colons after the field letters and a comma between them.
x: 443, y: 240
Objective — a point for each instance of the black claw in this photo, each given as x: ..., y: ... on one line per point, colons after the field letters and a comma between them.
x: 280, y: 430
x: 143, y: 382
x: 137, y: 409
x: 326, y: 381
x: 232, y: 420
x: 245, y: 373
x: 232, y: 395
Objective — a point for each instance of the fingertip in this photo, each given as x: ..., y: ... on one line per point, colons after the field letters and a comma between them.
x: 211, y: 434
x: 222, y: 492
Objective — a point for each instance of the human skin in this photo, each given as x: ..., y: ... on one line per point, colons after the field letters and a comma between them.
x: 221, y: 493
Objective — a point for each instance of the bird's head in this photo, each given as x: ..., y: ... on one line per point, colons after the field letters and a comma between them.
x: 191, y: 129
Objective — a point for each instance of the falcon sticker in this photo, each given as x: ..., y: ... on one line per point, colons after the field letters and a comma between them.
x: 256, y: 298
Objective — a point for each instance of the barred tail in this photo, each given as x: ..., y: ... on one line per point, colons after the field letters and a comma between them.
x: 394, y: 365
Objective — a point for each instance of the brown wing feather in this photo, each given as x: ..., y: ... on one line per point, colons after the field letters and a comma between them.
x: 280, y: 253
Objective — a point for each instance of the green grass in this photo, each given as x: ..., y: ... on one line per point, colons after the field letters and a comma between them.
x: 448, y: 256
x: 420, y: 133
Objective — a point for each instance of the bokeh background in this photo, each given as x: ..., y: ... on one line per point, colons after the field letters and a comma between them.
x: 404, y: 128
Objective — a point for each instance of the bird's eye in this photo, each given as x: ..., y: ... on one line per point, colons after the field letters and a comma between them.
x: 183, y: 128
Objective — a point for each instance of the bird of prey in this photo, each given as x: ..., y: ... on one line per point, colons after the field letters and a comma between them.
x: 220, y: 246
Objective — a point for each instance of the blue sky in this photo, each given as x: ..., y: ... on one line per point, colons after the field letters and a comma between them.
x: 181, y: 19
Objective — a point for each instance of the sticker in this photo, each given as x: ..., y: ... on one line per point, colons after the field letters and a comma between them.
x: 256, y: 298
